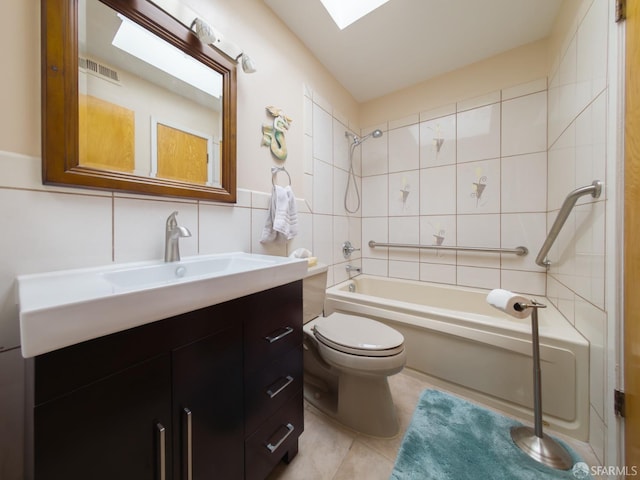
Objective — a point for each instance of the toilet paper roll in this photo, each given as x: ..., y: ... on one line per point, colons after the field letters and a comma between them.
x: 508, y: 302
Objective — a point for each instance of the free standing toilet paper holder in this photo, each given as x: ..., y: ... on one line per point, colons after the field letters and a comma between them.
x: 534, y: 442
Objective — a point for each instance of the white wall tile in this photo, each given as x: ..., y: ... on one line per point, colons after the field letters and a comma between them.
x: 376, y: 229
x: 340, y: 235
x: 561, y: 169
x: 479, y: 231
x: 532, y: 283
x: 591, y: 143
x: 438, y: 142
x: 438, y: 230
x: 488, y: 278
x: 224, y: 229
x: 405, y: 230
x: 478, y: 133
x: 49, y: 231
x: 323, y: 247
x: 340, y: 145
x: 562, y: 94
x: 139, y: 226
x: 438, y: 190
x: 404, y: 270
x: 589, y: 262
x: 431, y: 272
x: 339, y: 186
x: 373, y: 154
x: 304, y: 239
x: 404, y: 148
x: 524, y: 124
x: 374, y: 266
x: 591, y: 54
x: 523, y: 229
x: 562, y: 298
x: 375, y: 196
x: 404, y: 193
x: 478, y: 187
x: 524, y: 183
x: 322, y: 187
x: 322, y: 135
x: 308, y: 154
x: 307, y: 119
x: 591, y: 323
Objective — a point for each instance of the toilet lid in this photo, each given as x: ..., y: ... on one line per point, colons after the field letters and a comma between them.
x: 358, y: 335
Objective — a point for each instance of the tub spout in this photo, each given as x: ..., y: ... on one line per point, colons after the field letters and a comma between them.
x: 351, y: 268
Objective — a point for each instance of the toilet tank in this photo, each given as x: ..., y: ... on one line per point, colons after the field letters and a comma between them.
x: 314, y: 286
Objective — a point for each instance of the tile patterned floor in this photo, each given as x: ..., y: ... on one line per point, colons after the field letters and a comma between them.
x: 330, y: 451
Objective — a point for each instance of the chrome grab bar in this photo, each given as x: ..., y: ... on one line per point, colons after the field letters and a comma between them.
x: 517, y: 250
x: 595, y: 189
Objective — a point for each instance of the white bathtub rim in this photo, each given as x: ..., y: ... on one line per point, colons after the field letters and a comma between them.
x: 553, y: 326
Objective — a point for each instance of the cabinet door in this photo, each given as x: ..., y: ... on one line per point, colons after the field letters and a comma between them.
x: 208, y: 407
x: 108, y: 429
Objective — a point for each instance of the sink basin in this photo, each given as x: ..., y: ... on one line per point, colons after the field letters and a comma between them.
x: 59, y: 309
x: 165, y: 273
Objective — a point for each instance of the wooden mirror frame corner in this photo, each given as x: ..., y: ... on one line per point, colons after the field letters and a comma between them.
x: 60, y: 146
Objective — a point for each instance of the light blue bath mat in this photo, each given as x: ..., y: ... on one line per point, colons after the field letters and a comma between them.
x: 451, y: 439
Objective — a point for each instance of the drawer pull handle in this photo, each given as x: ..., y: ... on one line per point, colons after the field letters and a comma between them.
x: 288, y: 379
x: 273, y: 448
x: 189, y: 437
x: 287, y: 331
x: 162, y: 463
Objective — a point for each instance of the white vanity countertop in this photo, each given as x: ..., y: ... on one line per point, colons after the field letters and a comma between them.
x: 59, y: 309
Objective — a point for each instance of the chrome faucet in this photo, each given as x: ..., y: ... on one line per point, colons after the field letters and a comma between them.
x: 173, y: 233
x: 351, y: 268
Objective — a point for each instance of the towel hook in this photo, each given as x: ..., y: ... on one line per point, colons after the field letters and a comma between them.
x: 274, y: 172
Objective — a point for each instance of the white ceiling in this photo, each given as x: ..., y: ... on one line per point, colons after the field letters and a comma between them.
x: 405, y: 42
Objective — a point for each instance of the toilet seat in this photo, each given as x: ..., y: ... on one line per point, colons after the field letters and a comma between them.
x: 358, y: 335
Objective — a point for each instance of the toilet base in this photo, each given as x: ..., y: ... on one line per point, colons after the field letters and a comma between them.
x: 362, y: 403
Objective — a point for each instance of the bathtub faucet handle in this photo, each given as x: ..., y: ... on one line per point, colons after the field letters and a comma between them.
x: 348, y: 249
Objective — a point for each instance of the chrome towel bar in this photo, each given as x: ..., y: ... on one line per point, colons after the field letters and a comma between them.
x: 517, y: 251
x: 594, y: 190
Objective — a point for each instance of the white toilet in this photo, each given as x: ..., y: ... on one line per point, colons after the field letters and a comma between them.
x: 347, y: 360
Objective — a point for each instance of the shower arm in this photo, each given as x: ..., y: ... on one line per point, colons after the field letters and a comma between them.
x: 594, y: 190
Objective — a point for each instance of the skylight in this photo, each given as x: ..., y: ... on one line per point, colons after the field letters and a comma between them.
x: 142, y: 44
x: 345, y: 12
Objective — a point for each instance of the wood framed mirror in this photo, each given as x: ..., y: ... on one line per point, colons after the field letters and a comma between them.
x: 174, y: 144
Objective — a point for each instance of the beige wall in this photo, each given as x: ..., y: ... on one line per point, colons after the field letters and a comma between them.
x: 284, y: 66
x: 513, y: 67
x: 20, y: 92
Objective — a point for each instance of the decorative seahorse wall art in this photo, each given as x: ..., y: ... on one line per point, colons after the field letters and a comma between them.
x: 273, y: 134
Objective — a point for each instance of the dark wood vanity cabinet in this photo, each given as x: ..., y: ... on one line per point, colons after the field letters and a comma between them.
x: 273, y: 385
x: 192, y: 397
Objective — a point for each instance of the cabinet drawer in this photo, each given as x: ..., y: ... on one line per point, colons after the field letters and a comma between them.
x: 275, y: 327
x: 267, y: 389
x: 275, y: 439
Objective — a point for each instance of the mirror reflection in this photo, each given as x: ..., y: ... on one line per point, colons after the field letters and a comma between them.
x: 145, y: 107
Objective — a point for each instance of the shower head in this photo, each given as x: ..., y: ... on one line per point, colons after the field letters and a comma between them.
x: 358, y: 140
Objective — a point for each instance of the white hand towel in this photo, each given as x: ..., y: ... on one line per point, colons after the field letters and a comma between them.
x: 282, y: 216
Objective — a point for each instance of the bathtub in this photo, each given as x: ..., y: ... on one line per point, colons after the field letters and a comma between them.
x: 463, y: 344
